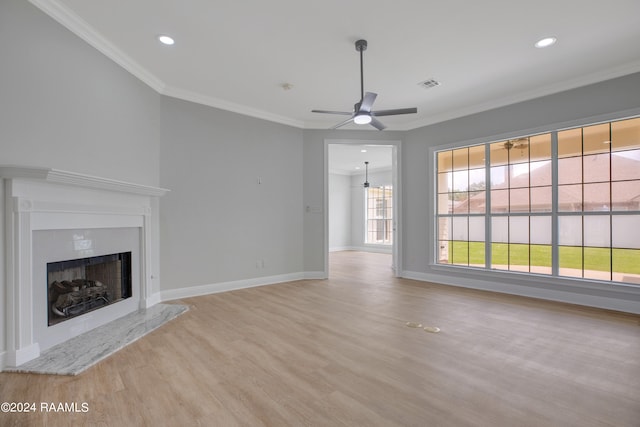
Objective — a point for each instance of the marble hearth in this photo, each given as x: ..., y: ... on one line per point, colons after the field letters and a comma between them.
x: 51, y: 216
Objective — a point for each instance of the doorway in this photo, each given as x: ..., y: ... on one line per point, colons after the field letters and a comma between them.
x: 363, y: 199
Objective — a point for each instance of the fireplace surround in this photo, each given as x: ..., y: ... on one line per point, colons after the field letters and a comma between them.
x: 54, y: 216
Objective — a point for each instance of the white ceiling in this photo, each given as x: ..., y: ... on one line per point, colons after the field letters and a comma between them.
x: 237, y: 55
x: 345, y: 158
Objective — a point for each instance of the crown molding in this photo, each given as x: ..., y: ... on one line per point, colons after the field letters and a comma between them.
x: 82, y: 29
x: 57, y: 176
x: 230, y: 106
x: 612, y: 73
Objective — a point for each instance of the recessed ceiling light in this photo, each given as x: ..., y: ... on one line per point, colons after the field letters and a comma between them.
x: 545, y: 42
x: 363, y: 151
x: 166, y: 40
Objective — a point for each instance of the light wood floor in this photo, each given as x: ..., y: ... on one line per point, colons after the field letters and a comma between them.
x: 338, y: 353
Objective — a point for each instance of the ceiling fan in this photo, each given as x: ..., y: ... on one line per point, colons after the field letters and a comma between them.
x: 362, y: 113
x: 519, y: 143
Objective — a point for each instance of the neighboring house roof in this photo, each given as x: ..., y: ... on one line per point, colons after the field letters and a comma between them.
x: 625, y: 194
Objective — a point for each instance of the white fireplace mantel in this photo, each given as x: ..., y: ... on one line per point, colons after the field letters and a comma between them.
x: 56, y: 176
x: 43, y: 199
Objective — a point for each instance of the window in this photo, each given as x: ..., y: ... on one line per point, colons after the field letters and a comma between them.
x: 564, y: 203
x: 379, y: 215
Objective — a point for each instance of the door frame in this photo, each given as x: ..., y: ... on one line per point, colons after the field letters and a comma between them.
x: 396, y: 173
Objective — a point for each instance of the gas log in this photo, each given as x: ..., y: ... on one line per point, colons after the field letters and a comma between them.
x: 72, y: 297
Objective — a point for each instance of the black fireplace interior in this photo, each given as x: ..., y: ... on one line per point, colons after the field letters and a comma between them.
x: 77, y: 286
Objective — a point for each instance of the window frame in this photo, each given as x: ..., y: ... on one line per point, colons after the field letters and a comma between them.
x: 555, y: 213
x: 387, y: 220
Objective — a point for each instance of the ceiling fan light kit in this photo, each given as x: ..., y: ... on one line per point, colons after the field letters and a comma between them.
x: 362, y: 119
x: 362, y: 111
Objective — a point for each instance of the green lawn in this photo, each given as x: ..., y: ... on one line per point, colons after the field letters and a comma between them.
x: 598, y: 259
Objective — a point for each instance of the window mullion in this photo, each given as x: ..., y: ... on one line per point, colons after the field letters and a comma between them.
x: 487, y: 211
x: 555, y: 264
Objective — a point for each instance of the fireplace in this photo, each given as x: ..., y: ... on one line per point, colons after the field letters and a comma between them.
x: 78, y: 286
x: 92, y: 239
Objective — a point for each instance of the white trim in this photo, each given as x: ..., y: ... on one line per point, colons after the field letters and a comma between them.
x: 82, y: 29
x: 325, y: 206
x: 57, y: 176
x: 342, y: 248
x: 70, y: 20
x: 538, y: 92
x: 396, y: 169
x: 74, y: 23
x: 230, y: 106
x: 214, y: 288
x: 37, y: 199
x: 556, y: 126
x: 314, y: 275
x: 152, y: 300
x: 379, y: 249
x: 22, y: 355
x: 584, y: 289
x: 613, y: 299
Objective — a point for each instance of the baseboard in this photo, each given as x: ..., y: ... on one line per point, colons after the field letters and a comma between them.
x: 372, y: 248
x: 375, y: 249
x: 18, y: 357
x: 194, y: 291
x: 315, y: 275
x: 607, y: 299
x: 154, y: 299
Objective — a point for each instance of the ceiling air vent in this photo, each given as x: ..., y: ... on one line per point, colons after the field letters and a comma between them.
x: 429, y: 83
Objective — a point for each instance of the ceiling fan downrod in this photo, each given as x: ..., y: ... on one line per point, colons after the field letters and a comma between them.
x: 361, y: 46
x: 363, y: 112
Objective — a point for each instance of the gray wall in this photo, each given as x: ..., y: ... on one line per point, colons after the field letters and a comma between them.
x: 313, y: 182
x: 358, y: 207
x: 603, y: 101
x: 339, y: 212
x: 218, y: 222
x: 346, y: 210
x: 613, y: 97
x: 607, y: 100
x: 64, y: 105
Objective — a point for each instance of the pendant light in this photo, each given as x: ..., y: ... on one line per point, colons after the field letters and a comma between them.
x: 366, y: 175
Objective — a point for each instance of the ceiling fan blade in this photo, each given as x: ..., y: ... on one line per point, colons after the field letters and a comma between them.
x: 377, y: 124
x: 367, y: 101
x: 394, y: 112
x: 343, y: 113
x: 349, y: 120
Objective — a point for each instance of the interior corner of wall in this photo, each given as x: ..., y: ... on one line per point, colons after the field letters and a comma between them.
x: 151, y: 300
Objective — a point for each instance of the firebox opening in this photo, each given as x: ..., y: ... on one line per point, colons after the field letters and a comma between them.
x: 77, y: 286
